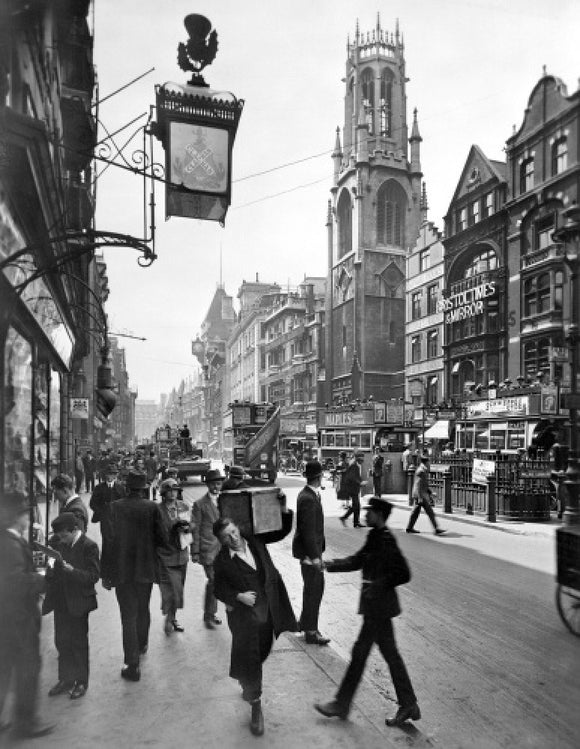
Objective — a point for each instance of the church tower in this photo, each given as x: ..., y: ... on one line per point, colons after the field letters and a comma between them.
x: 374, y: 217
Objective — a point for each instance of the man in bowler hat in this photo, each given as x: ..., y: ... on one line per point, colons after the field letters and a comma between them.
x: 138, y: 533
x: 205, y: 546
x: 383, y: 569
x: 308, y: 546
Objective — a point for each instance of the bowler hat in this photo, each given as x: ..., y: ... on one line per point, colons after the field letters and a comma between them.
x: 66, y: 521
x: 237, y: 472
x: 213, y: 475
x: 136, y: 480
x: 380, y: 504
x: 312, y: 470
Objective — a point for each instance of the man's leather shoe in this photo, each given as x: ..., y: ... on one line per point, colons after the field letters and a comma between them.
x: 439, y: 531
x: 257, y: 719
x: 315, y: 638
x: 79, y: 690
x: 411, y: 712
x: 331, y: 709
x: 343, y: 521
x: 211, y: 622
x: 177, y: 626
x: 131, y: 673
x: 411, y: 530
x: 360, y: 525
x: 33, y: 730
x: 61, y: 687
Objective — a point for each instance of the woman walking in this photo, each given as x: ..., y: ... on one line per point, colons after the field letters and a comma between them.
x: 175, y: 555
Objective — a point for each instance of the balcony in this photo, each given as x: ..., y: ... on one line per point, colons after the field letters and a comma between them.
x: 543, y: 255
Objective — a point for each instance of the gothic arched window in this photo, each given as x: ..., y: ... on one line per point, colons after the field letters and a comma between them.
x: 391, y: 212
x: 344, y: 215
x: 367, y: 85
x: 386, y: 102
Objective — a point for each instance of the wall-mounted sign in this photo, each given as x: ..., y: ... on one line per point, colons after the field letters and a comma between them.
x: 79, y: 408
x: 348, y: 418
x: 466, y: 303
x: 549, y: 400
x: 518, y: 405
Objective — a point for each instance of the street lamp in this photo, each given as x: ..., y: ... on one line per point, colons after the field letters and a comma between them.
x: 569, y: 236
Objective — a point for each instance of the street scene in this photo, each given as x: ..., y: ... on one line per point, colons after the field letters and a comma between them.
x: 290, y: 326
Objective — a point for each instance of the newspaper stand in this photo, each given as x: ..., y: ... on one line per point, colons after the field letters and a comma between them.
x: 568, y: 567
x: 255, y: 510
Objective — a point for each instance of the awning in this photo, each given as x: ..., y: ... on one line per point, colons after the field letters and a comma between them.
x: 439, y: 431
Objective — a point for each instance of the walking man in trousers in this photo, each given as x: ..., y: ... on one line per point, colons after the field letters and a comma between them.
x: 422, y: 495
x: 383, y: 569
x: 138, y: 533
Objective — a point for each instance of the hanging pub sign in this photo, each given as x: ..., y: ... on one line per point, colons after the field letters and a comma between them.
x: 197, y: 127
x: 79, y: 408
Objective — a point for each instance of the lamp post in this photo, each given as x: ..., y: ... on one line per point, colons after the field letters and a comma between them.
x: 569, y: 235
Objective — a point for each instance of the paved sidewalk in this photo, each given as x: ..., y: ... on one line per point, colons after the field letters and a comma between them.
x: 185, y: 696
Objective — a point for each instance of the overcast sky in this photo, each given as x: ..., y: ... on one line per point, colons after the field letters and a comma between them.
x: 472, y: 65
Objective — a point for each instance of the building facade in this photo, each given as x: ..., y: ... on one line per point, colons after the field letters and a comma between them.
x: 373, y: 218
x: 47, y: 132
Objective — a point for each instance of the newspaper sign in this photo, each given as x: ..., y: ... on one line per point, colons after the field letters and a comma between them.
x: 481, y: 470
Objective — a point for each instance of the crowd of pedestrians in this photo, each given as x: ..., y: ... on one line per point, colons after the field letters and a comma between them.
x: 146, y: 542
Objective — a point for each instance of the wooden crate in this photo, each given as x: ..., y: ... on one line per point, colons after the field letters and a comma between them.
x: 254, y: 510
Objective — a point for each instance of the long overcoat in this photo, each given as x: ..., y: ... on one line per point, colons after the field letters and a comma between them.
x: 204, y: 513
x: 233, y: 576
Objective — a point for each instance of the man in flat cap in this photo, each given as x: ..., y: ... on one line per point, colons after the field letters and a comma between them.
x: 383, y: 569
x: 236, y: 479
x: 69, y: 501
x: 20, y: 590
x: 308, y: 545
x: 71, y: 595
x: 138, y: 533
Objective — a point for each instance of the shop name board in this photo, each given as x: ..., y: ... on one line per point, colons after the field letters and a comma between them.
x: 518, y: 405
x: 348, y: 418
x: 467, y: 303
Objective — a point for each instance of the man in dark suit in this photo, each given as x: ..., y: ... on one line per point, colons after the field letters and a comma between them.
x: 71, y: 595
x: 422, y: 495
x: 352, y: 481
x: 257, y: 604
x: 69, y: 501
x: 205, y: 546
x: 383, y: 568
x: 138, y: 534
x: 308, y: 545
x: 89, y: 467
x: 106, y: 492
x: 20, y: 590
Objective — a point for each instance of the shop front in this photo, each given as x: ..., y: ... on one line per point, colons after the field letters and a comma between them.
x: 37, y: 348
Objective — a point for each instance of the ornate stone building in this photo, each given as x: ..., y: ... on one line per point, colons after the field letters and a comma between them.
x: 374, y: 217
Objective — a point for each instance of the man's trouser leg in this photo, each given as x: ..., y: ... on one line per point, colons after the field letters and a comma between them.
x: 127, y: 598
x: 356, y: 667
x: 385, y: 639
x: 414, y: 516
x: 311, y: 596
x: 209, y: 600
x: 430, y: 514
x: 377, y: 489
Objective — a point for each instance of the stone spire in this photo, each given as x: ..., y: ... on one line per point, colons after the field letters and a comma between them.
x: 415, y: 141
x: 337, y: 156
x: 424, y: 206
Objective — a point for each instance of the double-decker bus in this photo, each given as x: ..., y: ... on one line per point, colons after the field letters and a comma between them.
x: 250, y: 438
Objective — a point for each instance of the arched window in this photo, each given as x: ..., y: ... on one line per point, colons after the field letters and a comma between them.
x: 367, y: 83
x: 386, y: 102
x: 391, y: 212
x: 482, y: 262
x: 344, y: 223
x: 560, y: 156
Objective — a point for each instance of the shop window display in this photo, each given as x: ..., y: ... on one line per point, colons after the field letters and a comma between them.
x: 18, y: 411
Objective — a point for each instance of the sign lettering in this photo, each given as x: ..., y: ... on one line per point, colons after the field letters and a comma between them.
x: 466, y: 303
